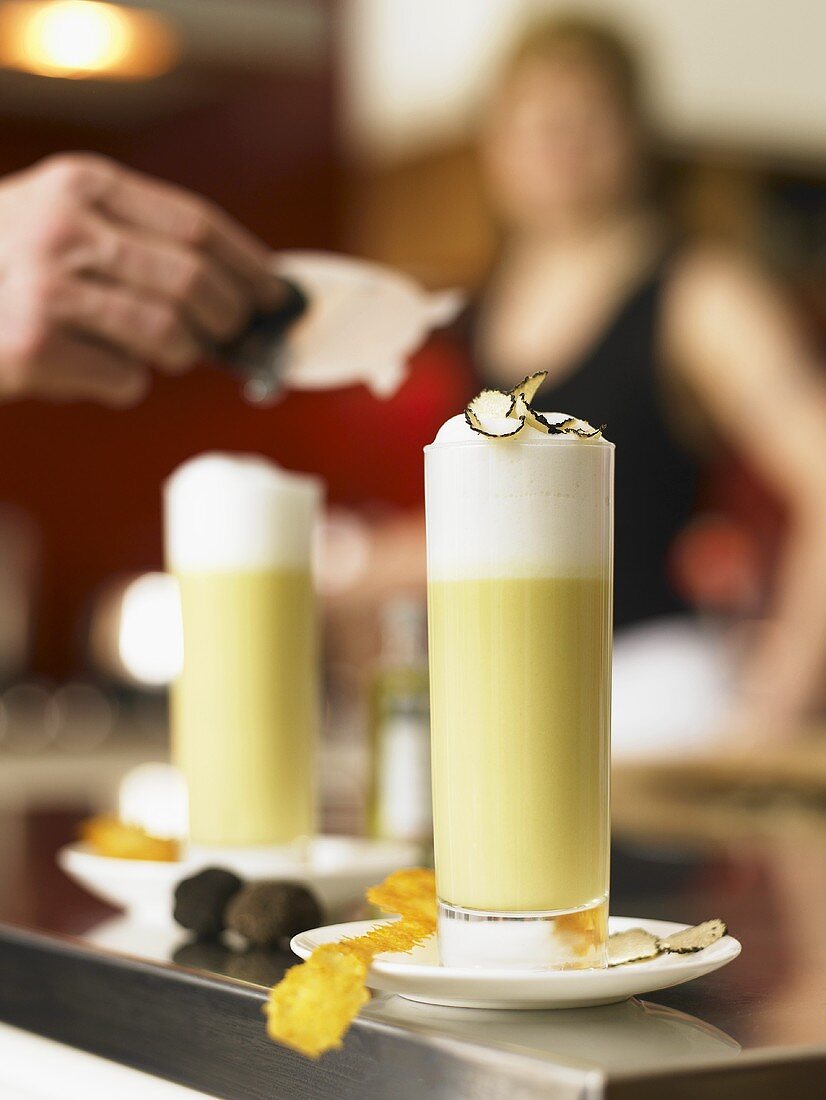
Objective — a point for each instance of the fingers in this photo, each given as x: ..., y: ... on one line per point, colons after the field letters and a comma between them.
x: 78, y: 369
x: 151, y: 272
x: 217, y: 304
x: 169, y: 212
x: 147, y: 329
x: 155, y: 238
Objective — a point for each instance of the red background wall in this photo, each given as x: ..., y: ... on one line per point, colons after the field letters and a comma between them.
x: 265, y: 149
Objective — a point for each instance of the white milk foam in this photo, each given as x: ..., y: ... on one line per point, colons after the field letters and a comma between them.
x: 234, y: 511
x: 536, y: 505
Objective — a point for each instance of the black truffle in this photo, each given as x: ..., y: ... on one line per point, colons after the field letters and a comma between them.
x: 201, y: 901
x: 265, y: 913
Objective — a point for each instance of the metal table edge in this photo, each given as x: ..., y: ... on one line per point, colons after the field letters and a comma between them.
x: 377, y: 1056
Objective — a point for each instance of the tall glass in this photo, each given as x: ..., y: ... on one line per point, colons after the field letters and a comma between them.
x: 244, y: 708
x: 520, y: 549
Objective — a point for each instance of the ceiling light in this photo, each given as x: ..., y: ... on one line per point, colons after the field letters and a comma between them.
x: 85, y: 39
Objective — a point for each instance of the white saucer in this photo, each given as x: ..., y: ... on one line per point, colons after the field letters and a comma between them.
x: 339, y: 870
x: 419, y: 977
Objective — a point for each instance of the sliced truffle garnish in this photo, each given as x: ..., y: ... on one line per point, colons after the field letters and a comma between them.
x: 499, y: 427
x: 529, y: 386
x: 634, y: 945
x: 492, y: 404
x: 533, y: 418
x: 693, y: 939
x: 493, y: 413
x: 582, y: 428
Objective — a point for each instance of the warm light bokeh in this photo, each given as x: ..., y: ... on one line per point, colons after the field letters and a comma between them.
x: 85, y: 39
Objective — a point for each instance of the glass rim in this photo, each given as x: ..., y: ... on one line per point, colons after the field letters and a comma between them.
x: 551, y: 440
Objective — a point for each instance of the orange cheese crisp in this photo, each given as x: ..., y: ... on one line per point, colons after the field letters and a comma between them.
x: 586, y: 930
x: 410, y: 893
x: 314, y: 1004
x: 107, y: 836
x: 312, y: 1007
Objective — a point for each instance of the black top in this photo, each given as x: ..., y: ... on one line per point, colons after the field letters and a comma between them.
x: 618, y: 383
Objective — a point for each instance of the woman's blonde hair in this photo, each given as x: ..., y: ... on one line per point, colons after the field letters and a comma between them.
x: 581, y: 38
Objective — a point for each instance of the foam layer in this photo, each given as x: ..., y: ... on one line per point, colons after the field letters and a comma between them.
x: 230, y: 511
x: 457, y: 430
x: 534, y: 505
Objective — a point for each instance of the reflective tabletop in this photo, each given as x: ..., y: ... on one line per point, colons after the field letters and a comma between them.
x: 757, y: 1026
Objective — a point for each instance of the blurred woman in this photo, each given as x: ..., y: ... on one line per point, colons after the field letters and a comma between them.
x: 654, y: 337
x: 673, y: 345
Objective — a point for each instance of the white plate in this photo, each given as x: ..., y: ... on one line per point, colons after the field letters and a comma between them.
x: 419, y: 977
x: 339, y: 870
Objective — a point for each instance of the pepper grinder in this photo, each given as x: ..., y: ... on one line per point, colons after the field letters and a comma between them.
x: 258, y: 354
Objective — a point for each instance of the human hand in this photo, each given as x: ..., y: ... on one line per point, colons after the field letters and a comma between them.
x: 105, y: 272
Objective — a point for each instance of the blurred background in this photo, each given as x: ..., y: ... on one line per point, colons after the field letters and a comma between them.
x: 353, y: 125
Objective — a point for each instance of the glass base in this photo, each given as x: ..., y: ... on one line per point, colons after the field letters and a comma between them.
x: 562, y: 939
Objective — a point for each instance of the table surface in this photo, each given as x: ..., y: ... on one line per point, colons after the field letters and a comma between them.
x: 766, y: 1010
x: 63, y: 1073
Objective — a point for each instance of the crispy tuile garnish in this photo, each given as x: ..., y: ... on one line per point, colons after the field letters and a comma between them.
x: 693, y: 939
x: 313, y: 1005
x: 311, y: 1009
x: 410, y: 893
x: 634, y: 945
x: 529, y: 386
x: 582, y: 428
x: 108, y: 836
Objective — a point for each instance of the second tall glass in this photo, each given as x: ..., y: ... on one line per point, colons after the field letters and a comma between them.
x: 244, y: 709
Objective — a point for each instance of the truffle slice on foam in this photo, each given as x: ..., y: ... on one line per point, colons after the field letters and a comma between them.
x: 500, y: 415
x: 492, y: 413
x: 536, y: 420
x: 529, y: 386
x: 574, y: 426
